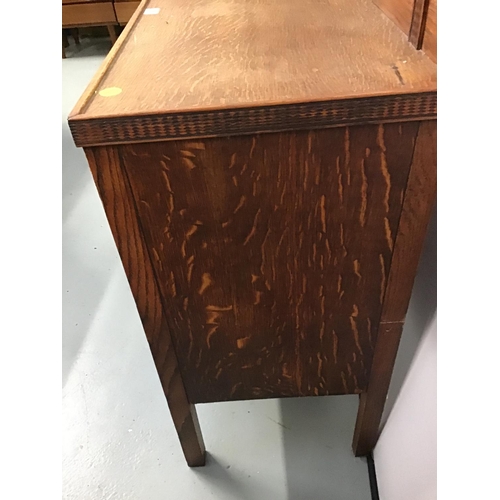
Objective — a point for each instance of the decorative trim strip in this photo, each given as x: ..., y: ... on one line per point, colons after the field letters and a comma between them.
x: 227, y: 122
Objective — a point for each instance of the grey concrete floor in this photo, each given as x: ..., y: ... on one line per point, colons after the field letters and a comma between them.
x: 118, y: 438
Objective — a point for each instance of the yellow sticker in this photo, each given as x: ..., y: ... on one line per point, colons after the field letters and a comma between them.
x: 110, y: 91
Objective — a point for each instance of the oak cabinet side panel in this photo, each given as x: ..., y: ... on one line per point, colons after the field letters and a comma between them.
x: 272, y: 254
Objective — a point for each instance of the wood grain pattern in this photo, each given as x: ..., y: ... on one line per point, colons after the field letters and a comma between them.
x: 272, y: 253
x: 88, y: 14
x: 398, y: 11
x: 240, y: 53
x: 429, y: 44
x: 108, y: 61
x: 268, y: 187
x: 224, y: 123
x: 418, y: 202
x: 121, y: 214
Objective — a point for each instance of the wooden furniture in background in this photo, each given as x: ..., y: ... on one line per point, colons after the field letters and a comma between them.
x: 268, y: 185
x: 124, y: 10
x: 76, y: 37
x: 65, y: 44
x: 86, y: 13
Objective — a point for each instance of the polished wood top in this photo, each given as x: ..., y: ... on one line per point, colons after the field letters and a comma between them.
x: 195, y: 55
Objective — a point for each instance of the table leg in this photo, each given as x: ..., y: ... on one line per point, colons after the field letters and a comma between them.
x: 417, y: 206
x: 112, y: 33
x: 119, y: 204
x: 76, y: 35
x: 371, y: 403
x: 65, y: 43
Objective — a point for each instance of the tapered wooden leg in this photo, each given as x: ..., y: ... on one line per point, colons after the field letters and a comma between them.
x: 371, y: 403
x: 184, y: 417
x: 417, y: 207
x: 63, y: 52
x: 112, y: 33
x: 75, y: 35
x: 119, y: 205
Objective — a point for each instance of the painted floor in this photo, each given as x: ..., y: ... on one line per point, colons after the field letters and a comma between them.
x: 119, y: 441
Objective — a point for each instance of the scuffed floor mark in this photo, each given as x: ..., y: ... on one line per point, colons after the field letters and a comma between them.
x: 279, y: 423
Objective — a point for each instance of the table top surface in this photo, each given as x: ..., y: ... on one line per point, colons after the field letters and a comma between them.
x: 185, y: 55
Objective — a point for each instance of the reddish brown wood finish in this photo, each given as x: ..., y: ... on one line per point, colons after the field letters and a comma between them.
x: 399, y: 11
x: 418, y: 21
x: 118, y: 203
x: 88, y: 14
x: 272, y: 253
x: 253, y: 55
x: 429, y: 43
x: 124, y: 10
x: 269, y: 205
x: 230, y: 122
x: 418, y: 202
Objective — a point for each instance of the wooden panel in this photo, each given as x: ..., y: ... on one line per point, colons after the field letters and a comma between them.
x: 241, y: 53
x: 430, y: 34
x: 124, y: 11
x: 88, y: 14
x: 122, y: 217
x: 418, y: 203
x: 399, y: 11
x: 272, y: 253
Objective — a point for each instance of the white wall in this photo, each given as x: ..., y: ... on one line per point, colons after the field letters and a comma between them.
x: 405, y: 456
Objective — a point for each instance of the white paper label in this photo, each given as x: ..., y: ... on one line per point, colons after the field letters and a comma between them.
x: 151, y: 11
